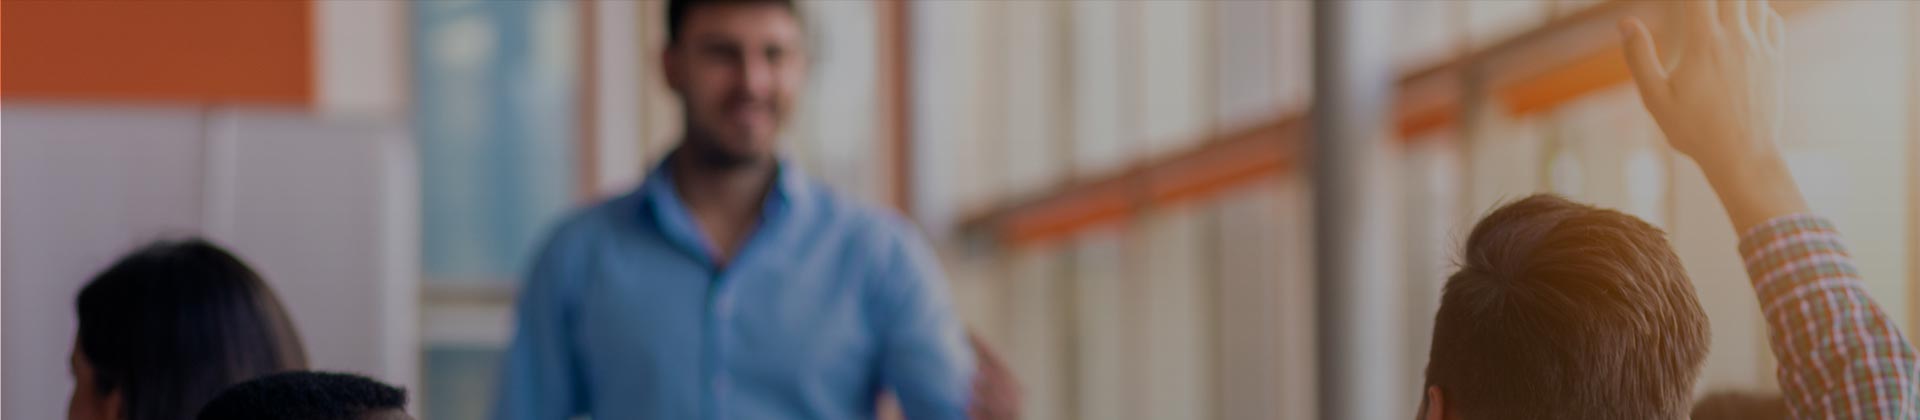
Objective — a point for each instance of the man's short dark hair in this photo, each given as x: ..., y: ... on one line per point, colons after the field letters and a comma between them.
x: 305, y: 395
x: 677, y: 12
x: 1568, y: 311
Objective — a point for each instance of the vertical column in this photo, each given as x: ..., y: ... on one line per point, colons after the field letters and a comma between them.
x: 360, y: 58
x: 587, y: 99
x: 1353, y: 245
x: 1913, y: 169
x: 895, y: 124
x: 619, y: 58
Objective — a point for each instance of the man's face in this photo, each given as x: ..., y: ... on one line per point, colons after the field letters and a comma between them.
x: 738, y: 69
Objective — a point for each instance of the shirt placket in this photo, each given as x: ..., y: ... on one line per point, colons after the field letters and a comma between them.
x: 720, y: 311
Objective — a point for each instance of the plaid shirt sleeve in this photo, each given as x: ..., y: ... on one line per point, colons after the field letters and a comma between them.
x: 1840, y: 356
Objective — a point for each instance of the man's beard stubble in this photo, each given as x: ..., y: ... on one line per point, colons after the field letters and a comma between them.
x: 706, y: 150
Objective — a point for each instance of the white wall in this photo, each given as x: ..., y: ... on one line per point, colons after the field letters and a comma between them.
x: 1174, y: 326
x: 79, y: 193
x: 1431, y: 173
x: 323, y: 209
x: 330, y: 209
x: 1094, y: 59
x: 1101, y: 322
x: 1172, y: 55
x: 1037, y: 336
x: 1847, y: 134
x: 836, y: 133
x: 1490, y: 21
x: 1035, y: 97
x: 955, y: 130
x: 1293, y: 23
x: 1427, y: 33
x: 621, y: 58
x: 1245, y: 75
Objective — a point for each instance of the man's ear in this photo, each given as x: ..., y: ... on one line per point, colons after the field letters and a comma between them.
x: 668, y: 56
x: 1436, y: 406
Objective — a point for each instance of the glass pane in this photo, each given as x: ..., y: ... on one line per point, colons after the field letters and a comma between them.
x: 460, y: 382
x: 495, y: 91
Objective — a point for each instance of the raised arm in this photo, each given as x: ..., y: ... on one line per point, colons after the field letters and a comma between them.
x: 1720, y: 104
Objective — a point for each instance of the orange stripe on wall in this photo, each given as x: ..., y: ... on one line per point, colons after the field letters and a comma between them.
x: 3, y: 61
x: 250, y: 51
x: 1592, y: 73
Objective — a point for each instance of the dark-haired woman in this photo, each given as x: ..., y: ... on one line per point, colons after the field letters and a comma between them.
x: 169, y: 326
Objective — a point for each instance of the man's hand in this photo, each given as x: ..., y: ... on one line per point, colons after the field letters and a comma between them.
x: 1720, y: 103
x: 996, y: 393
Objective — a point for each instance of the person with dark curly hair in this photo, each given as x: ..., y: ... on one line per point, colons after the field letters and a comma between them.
x: 306, y: 395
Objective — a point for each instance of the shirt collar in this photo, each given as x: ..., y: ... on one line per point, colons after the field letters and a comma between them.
x: 662, y: 206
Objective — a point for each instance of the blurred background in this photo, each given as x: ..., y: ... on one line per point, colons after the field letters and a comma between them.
x: 1118, y: 188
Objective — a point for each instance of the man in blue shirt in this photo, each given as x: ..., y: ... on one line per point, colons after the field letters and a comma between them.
x: 731, y: 286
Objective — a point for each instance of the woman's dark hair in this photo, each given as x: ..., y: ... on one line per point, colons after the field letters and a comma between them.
x: 175, y: 322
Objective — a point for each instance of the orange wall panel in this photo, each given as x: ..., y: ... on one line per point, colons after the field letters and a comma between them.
x: 244, y: 51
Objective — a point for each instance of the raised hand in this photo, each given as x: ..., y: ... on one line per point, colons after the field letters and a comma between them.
x: 996, y: 393
x: 1720, y: 102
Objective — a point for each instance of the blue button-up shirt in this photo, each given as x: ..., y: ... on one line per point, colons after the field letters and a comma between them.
x: 626, y: 315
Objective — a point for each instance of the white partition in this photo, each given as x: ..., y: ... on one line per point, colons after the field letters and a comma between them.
x: 1038, y: 333
x: 1174, y: 323
x: 328, y: 212
x: 1035, y: 112
x: 324, y: 210
x: 1248, y: 304
x: 1430, y: 172
x: 1846, y: 134
x: 1503, y: 156
x: 78, y: 193
x: 621, y: 59
x: 1094, y: 62
x: 1101, y: 324
x: 1293, y: 54
x: 950, y: 128
x: 1426, y: 33
x: 1244, y: 75
x: 1169, y: 67
x: 836, y: 135
x: 1491, y: 21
